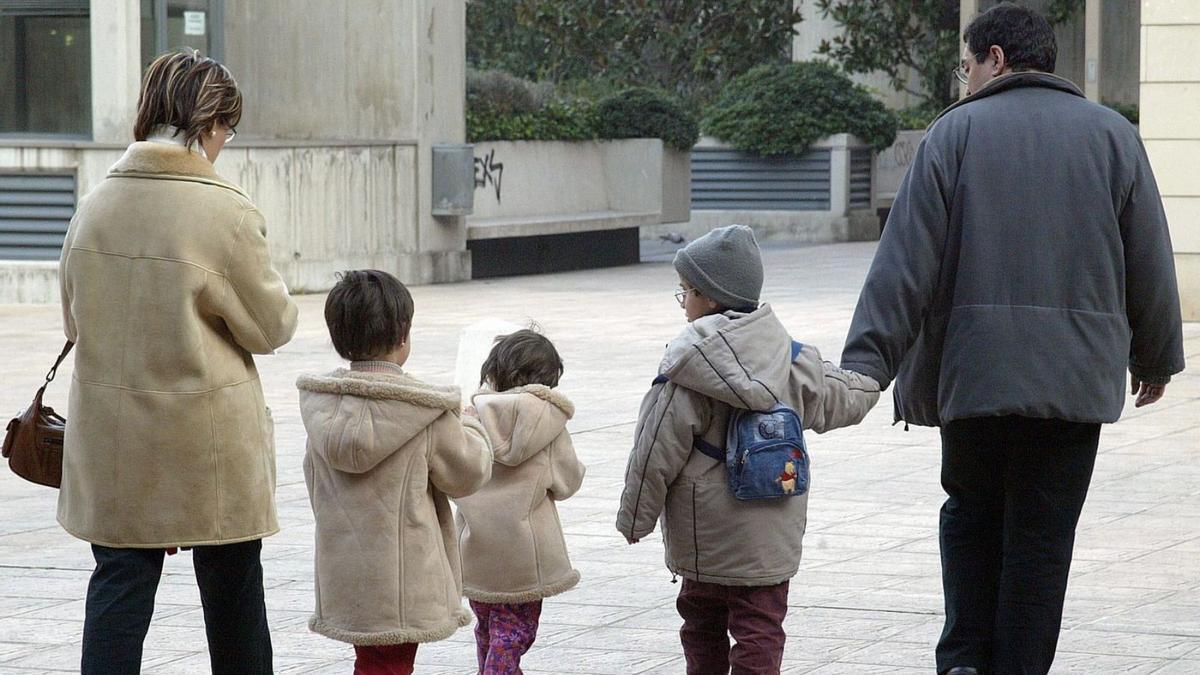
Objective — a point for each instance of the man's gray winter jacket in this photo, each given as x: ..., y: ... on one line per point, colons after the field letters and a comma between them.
x: 1025, y: 265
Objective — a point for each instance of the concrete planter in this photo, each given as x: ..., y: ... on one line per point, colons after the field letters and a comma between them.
x: 824, y: 195
x: 550, y: 205
x: 893, y: 163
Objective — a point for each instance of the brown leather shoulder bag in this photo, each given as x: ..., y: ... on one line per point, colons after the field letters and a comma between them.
x: 34, y: 442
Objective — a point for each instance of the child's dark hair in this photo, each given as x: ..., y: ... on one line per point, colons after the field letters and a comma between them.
x: 521, y: 358
x: 369, y: 313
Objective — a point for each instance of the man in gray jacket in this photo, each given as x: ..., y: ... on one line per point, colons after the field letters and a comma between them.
x: 1025, y: 265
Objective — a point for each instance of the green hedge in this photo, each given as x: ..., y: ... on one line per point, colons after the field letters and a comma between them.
x: 642, y: 113
x: 501, y: 107
x: 555, y: 121
x: 783, y: 109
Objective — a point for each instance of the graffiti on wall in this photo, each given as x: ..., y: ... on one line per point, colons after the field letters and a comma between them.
x: 488, y: 170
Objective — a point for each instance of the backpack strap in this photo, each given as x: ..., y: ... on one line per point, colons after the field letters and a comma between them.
x: 709, y: 449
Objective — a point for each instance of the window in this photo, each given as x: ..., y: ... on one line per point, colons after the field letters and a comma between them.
x: 45, y: 67
x: 168, y: 25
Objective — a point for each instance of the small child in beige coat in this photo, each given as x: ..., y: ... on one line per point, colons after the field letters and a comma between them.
x: 512, y: 545
x: 385, y: 451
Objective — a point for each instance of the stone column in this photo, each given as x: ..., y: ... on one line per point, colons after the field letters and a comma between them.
x: 967, y: 11
x: 1170, y: 97
x: 116, y: 69
x: 1092, y: 49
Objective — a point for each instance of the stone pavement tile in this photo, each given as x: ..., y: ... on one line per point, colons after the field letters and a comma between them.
x: 873, y: 669
x: 1086, y: 641
x: 647, y: 641
x: 566, y: 611
x: 889, y: 652
x: 604, y: 659
x: 1068, y: 662
x: 67, y: 657
x: 1180, y: 667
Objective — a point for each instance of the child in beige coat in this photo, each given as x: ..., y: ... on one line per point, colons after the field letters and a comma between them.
x: 385, y: 451
x: 513, y: 551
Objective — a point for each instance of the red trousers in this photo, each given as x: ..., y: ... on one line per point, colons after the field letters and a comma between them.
x: 385, y: 659
x: 753, y: 615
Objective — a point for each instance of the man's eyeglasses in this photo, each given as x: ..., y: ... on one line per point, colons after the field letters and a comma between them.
x: 960, y: 74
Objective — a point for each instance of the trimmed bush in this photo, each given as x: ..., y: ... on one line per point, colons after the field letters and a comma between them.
x: 506, y: 93
x: 556, y: 121
x: 643, y: 113
x: 917, y: 117
x: 783, y: 109
x: 1127, y: 110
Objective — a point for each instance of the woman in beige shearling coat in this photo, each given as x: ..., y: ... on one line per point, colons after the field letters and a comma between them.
x: 167, y: 290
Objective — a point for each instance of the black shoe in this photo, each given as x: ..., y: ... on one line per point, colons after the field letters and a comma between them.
x: 962, y: 670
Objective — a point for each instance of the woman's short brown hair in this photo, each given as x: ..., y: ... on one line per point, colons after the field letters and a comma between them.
x: 189, y: 91
x: 521, y: 358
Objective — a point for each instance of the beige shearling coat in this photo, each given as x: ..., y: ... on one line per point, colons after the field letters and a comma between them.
x: 167, y: 290
x: 384, y: 452
x: 510, y: 536
x: 718, y: 363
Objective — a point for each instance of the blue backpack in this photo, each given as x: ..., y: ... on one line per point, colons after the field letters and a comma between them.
x: 765, y: 455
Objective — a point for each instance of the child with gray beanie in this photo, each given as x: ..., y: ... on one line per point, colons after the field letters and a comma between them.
x: 736, y: 557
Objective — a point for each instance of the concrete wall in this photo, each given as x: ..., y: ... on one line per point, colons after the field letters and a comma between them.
x: 815, y: 28
x: 893, y: 163
x: 547, y: 178
x: 328, y: 208
x: 1119, y: 38
x: 116, y: 68
x: 1170, y: 97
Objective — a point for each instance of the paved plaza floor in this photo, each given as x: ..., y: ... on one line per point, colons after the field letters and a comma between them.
x: 868, y: 595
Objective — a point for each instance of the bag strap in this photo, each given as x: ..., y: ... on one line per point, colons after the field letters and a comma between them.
x: 54, y: 371
x: 709, y: 449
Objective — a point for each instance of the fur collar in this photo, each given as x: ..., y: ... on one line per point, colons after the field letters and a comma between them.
x: 145, y: 159
x: 383, y: 386
x: 552, y: 396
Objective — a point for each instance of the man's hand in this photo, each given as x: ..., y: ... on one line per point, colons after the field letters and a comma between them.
x: 1146, y: 393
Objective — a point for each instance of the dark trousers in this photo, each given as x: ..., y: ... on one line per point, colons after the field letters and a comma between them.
x: 120, y: 602
x: 753, y: 615
x: 1016, y: 486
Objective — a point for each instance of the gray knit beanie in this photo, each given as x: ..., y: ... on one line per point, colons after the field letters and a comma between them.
x: 725, y: 266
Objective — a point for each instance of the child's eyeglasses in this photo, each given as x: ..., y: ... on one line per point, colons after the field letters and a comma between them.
x: 681, y: 294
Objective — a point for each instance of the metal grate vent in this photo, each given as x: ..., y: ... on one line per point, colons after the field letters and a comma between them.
x: 860, y: 178
x: 732, y: 180
x: 34, y: 213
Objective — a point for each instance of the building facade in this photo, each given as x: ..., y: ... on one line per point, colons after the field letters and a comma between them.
x: 344, y: 103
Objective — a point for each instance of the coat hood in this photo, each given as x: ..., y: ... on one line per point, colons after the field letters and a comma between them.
x: 743, y: 360
x: 356, y: 419
x: 145, y: 159
x: 522, y: 421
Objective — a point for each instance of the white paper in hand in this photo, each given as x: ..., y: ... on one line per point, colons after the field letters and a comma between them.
x: 474, y: 344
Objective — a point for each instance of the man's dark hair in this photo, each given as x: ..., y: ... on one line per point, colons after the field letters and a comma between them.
x: 369, y: 313
x: 521, y: 358
x: 1025, y: 36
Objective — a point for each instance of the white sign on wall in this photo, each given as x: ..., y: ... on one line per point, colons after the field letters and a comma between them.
x: 193, y: 23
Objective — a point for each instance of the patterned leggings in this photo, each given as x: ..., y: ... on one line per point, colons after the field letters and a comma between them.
x: 503, y: 632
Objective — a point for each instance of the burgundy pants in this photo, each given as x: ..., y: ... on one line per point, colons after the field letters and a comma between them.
x: 385, y: 659
x: 753, y: 615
